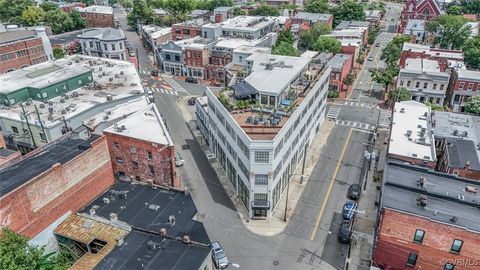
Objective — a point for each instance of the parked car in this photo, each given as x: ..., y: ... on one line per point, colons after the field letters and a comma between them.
x: 191, y: 80
x: 348, y: 211
x: 354, y: 192
x: 377, y: 44
x: 178, y: 160
x: 154, y: 72
x: 344, y: 232
x: 218, y: 255
x: 191, y: 101
x: 370, y: 58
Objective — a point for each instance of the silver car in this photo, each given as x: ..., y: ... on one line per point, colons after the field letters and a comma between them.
x: 218, y: 256
x: 178, y: 160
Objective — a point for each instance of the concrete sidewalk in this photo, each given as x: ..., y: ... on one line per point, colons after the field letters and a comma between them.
x: 275, y: 224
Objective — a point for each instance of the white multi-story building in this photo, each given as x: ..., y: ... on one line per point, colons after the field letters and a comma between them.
x: 259, y: 146
x: 103, y: 42
x: 423, y: 78
x: 248, y: 27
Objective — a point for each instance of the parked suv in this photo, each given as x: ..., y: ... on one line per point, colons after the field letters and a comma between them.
x: 349, y: 209
x: 218, y: 256
x: 354, y: 192
x: 345, y: 232
x: 191, y: 80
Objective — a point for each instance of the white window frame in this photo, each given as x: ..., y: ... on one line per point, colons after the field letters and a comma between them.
x: 262, y: 157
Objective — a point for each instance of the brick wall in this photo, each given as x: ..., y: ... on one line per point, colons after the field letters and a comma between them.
x: 34, y: 206
x: 395, y: 241
x: 180, y: 31
x: 123, y: 160
x: 33, y: 54
x: 98, y: 19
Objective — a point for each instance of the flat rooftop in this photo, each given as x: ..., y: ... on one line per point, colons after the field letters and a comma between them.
x: 447, y: 195
x: 233, y: 43
x: 146, y: 124
x: 13, y: 36
x: 147, y: 251
x: 352, y: 25
x: 314, y: 17
x: 107, y: 34
x: 116, y: 82
x: 451, y: 54
x: 251, y: 49
x: 339, y: 60
x: 32, y: 165
x: 471, y: 75
x: 247, y: 23
x: 149, y: 209
x: 419, y: 67
x: 411, y: 134
x: 97, y: 9
x: 414, y: 25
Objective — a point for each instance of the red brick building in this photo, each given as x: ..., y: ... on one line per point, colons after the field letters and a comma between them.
x: 466, y: 84
x: 215, y: 70
x: 187, y: 29
x: 141, y: 149
x: 423, y: 10
x: 310, y: 19
x: 341, y: 65
x: 69, y: 7
x: 422, y: 224
x: 98, y: 16
x: 445, y: 58
x: 21, y: 48
x: 51, y: 181
x: 196, y: 58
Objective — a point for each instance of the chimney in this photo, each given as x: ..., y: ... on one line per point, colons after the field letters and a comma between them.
x: 163, y: 232
x: 119, y: 240
x: 150, y: 183
x: 467, y: 165
x: 113, y: 217
x: 93, y: 210
x: 186, y: 239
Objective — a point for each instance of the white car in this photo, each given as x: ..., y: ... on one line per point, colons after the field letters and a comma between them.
x: 178, y: 160
x: 218, y: 256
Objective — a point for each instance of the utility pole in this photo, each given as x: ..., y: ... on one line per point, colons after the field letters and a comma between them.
x: 303, y: 164
x: 28, y: 125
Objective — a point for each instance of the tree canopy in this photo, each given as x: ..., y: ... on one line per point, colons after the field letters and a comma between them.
x: 471, y: 51
x: 32, y: 15
x: 451, y: 30
x: 467, y: 6
x: 141, y: 13
x: 58, y: 53
x: 454, y: 10
x: 347, y: 11
x: 308, y: 38
x: 327, y: 44
x: 178, y: 8
x: 399, y: 94
x: 264, y: 10
x: 317, y: 6
x: 285, y: 36
x: 284, y: 48
x: 473, y: 105
x: 11, y: 11
x: 391, y: 53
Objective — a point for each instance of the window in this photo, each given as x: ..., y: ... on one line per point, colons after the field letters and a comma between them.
x: 137, y: 178
x: 135, y: 164
x: 149, y: 155
x: 449, y: 266
x: 167, y: 57
x: 470, y: 86
x: 116, y: 144
x: 105, y: 46
x: 151, y: 171
x: 401, y: 82
x: 15, y: 129
x: 260, y: 196
x: 456, y: 246
x: 91, y: 44
x: 417, y: 84
x: 418, y: 238
x: 121, y: 45
x: 113, y: 47
x: 177, y: 58
x: 425, y: 85
x: 462, y: 84
x: 434, y: 86
x: 412, y: 259
x: 119, y: 160
x: 408, y: 83
x: 42, y: 136
x: 261, y: 179
x: 133, y: 149
x: 262, y: 157
x: 441, y: 87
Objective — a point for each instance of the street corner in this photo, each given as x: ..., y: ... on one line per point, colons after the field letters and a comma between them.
x: 265, y: 227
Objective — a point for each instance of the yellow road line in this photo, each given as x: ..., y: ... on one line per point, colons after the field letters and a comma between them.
x: 329, y: 190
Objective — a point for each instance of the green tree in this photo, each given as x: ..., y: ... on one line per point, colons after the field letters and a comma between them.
x: 59, y: 21
x: 372, y: 34
x: 451, y: 30
x: 384, y: 77
x: 454, y: 10
x: 126, y: 4
x: 308, y: 38
x: 212, y: 4
x: 285, y: 36
x: 284, y: 48
x: 349, y: 79
x: 32, y: 15
x: 77, y: 20
x: 399, y: 94
x: 141, y: 13
x: 347, y: 11
x: 11, y: 11
x: 473, y: 105
x: 391, y: 53
x: 178, y: 8
x: 47, y: 6
x: 317, y: 6
x: 327, y: 44
x: 471, y: 50
x: 264, y: 10
x: 58, y: 53
x: 238, y: 11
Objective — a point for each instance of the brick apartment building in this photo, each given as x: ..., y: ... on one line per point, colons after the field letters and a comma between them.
x: 52, y: 181
x: 21, y: 48
x: 309, y: 19
x: 466, y: 84
x: 187, y: 29
x: 196, y: 57
x: 341, y: 66
x: 141, y: 149
x: 98, y: 16
x: 423, y: 224
x: 445, y: 58
x: 69, y: 7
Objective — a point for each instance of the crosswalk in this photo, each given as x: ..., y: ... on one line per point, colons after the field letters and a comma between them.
x: 358, y: 104
x: 175, y: 85
x: 356, y: 125
x: 384, y: 119
x: 160, y: 90
x: 334, y: 111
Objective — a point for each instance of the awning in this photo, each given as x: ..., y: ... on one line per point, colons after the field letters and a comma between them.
x: 261, y: 204
x: 286, y: 102
x: 244, y: 90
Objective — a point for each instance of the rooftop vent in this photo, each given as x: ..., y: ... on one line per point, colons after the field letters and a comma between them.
x: 171, y: 220
x: 119, y: 240
x: 113, y: 217
x: 42, y: 106
x: 422, y: 182
x: 87, y: 224
x: 153, y: 207
x: 454, y: 219
x: 186, y: 239
x: 163, y: 232
x: 422, y: 200
x: 93, y: 210
x: 455, y: 132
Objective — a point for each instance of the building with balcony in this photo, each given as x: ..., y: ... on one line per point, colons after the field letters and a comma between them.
x: 466, y: 84
x: 424, y: 79
x: 427, y: 220
x: 187, y: 29
x: 261, y: 126
x: 23, y: 48
x: 97, y: 16
x: 103, y: 42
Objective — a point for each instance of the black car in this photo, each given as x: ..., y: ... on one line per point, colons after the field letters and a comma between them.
x: 354, y: 192
x: 154, y: 72
x: 344, y: 232
x: 191, y: 101
x: 191, y: 80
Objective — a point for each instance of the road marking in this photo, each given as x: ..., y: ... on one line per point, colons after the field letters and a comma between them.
x: 329, y: 190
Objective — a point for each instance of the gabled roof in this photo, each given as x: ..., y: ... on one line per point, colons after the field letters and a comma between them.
x: 424, y: 3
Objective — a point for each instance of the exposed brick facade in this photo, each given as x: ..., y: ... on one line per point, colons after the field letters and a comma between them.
x: 395, y: 241
x: 463, y: 88
x: 21, y: 53
x: 130, y: 158
x: 32, y: 207
x: 98, y: 19
x: 432, y: 54
x: 337, y: 77
x: 181, y: 31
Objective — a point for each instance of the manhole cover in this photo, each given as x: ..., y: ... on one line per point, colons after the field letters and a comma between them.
x: 185, y: 147
x: 276, y: 263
